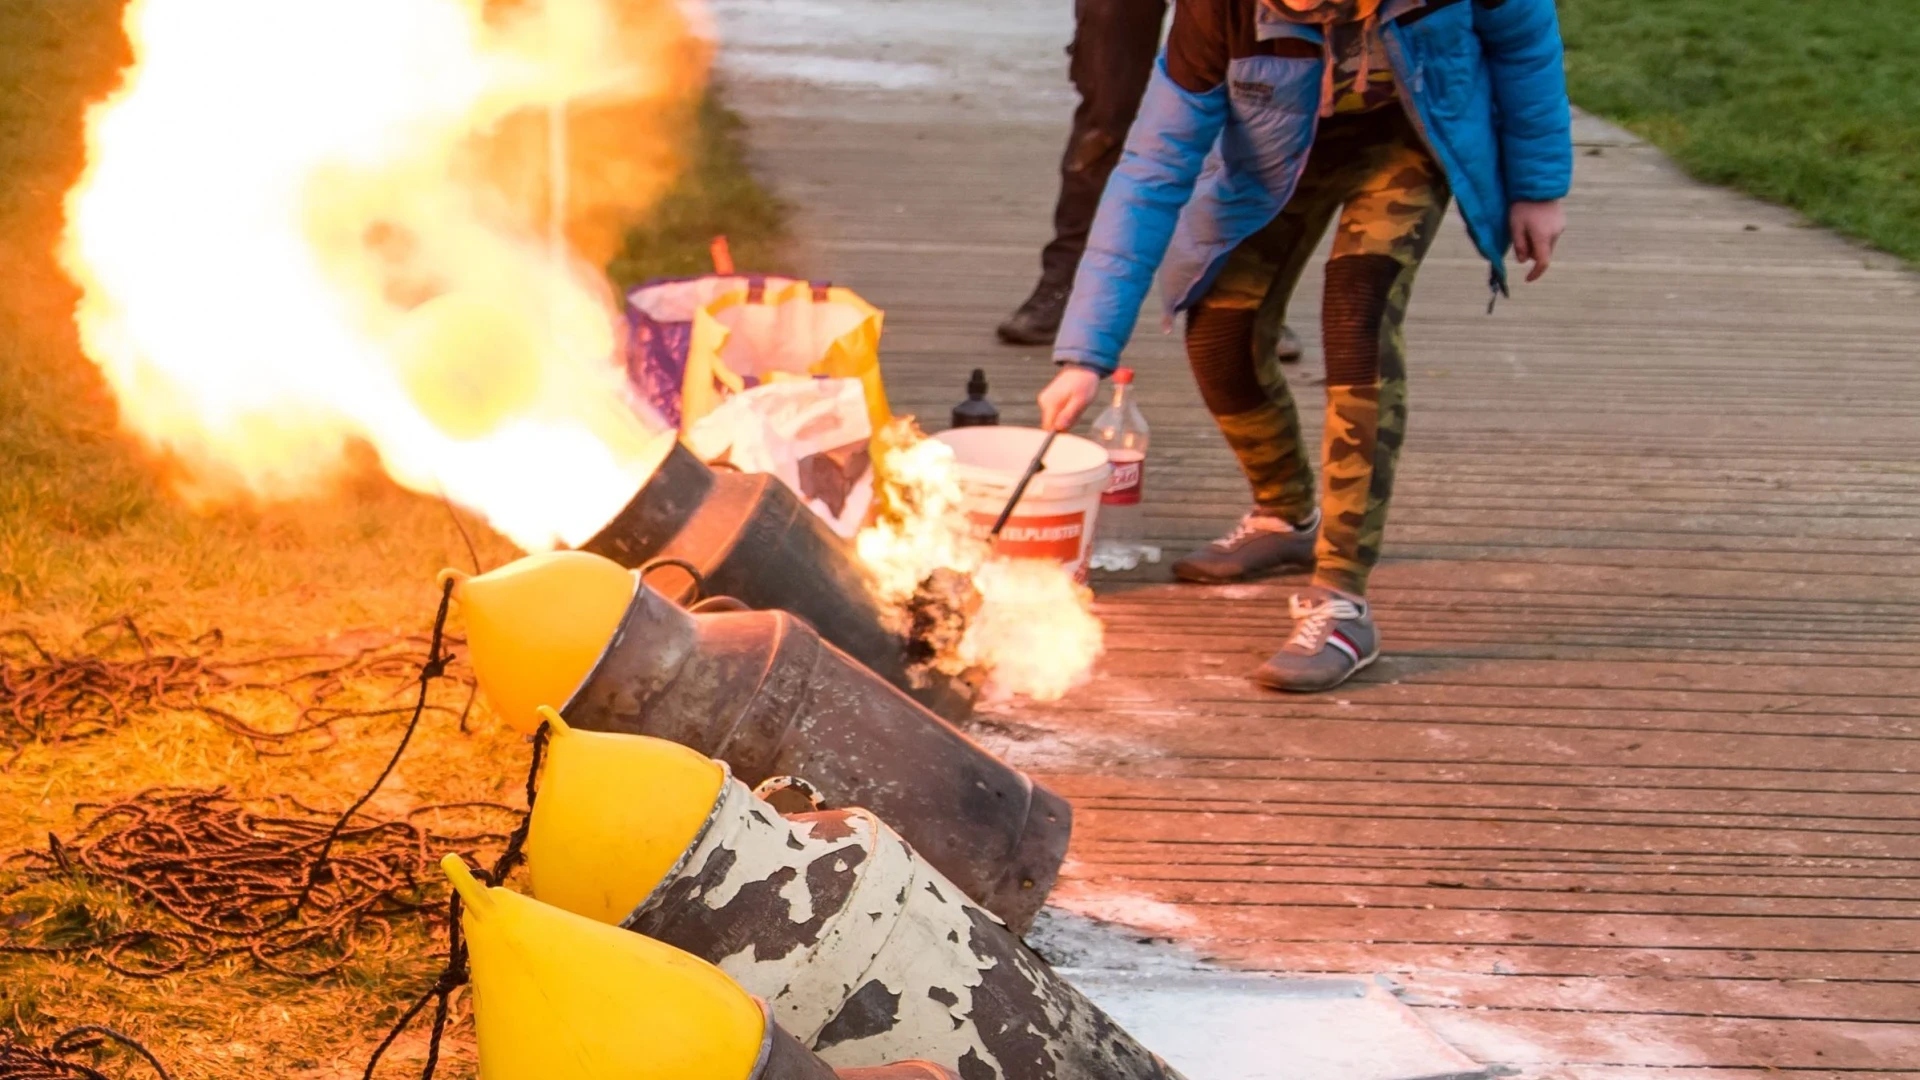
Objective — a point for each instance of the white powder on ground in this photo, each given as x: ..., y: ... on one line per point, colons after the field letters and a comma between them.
x: 1215, y: 1024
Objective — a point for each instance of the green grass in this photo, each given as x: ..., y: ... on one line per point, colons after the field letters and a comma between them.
x: 1811, y: 103
x: 716, y: 196
x: 89, y: 531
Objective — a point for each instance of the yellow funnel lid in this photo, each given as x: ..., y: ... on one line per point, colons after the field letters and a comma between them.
x: 537, y: 626
x: 559, y: 997
x: 614, y: 814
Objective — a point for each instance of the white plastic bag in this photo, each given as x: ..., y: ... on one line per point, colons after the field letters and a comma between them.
x: 812, y: 433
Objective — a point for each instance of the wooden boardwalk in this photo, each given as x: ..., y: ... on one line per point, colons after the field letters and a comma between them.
x: 1633, y: 792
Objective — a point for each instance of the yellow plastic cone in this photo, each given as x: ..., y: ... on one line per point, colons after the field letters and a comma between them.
x: 614, y: 814
x: 537, y: 626
x: 560, y: 997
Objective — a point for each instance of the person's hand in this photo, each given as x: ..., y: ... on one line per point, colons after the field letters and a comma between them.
x: 1066, y: 397
x: 1536, y: 229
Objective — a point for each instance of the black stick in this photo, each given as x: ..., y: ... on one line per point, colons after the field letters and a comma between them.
x: 1034, y: 468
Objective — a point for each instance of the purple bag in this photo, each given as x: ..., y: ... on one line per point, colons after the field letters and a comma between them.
x: 660, y: 332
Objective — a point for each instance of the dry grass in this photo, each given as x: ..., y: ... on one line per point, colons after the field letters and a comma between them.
x: 231, y: 1020
x: 88, y: 533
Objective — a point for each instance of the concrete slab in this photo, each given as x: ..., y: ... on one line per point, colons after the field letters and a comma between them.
x: 1213, y: 1023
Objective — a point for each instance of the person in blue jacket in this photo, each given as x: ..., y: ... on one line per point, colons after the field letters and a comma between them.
x: 1265, y: 122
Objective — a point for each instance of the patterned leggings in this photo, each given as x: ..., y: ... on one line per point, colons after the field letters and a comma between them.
x: 1373, y: 171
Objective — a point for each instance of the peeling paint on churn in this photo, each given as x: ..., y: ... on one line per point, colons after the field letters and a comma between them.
x: 869, y: 954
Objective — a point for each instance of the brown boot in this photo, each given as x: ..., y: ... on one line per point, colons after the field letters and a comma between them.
x: 1038, y: 320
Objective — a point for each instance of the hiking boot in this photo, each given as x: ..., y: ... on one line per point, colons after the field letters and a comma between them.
x: 1038, y: 320
x: 1288, y: 348
x: 1261, y: 544
x: 1333, y: 637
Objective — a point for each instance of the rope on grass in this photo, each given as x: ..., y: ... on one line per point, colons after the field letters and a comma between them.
x: 300, y: 893
x: 19, y: 1062
x: 456, y: 973
x: 269, y: 886
x: 53, y: 698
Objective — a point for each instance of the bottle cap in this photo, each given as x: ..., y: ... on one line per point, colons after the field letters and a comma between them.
x: 1123, y: 376
x: 977, y: 385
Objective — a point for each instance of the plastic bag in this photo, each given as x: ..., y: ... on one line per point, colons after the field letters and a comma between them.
x: 694, y: 342
x: 660, y: 332
x: 811, y: 432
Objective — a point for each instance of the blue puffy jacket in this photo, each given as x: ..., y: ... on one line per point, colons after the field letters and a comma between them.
x: 1483, y: 80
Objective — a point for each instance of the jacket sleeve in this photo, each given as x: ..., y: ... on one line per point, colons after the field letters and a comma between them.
x: 1521, y: 39
x: 1169, y: 142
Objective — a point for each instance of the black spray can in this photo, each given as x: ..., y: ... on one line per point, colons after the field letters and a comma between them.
x: 976, y: 411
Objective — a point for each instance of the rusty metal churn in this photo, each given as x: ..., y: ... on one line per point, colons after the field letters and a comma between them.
x: 763, y: 692
x: 748, y: 536
x: 862, y: 949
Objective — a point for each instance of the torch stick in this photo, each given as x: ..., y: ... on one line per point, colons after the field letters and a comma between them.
x: 1034, y: 467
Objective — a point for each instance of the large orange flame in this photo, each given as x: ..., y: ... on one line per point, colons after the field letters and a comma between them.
x: 307, y: 222
x: 1032, y: 631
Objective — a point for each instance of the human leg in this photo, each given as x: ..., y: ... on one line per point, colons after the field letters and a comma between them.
x: 1385, y: 230
x: 1230, y: 347
x: 1386, y: 226
x: 1114, y: 46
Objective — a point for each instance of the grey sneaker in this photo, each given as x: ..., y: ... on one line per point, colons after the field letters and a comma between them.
x: 1333, y: 637
x: 1260, y: 544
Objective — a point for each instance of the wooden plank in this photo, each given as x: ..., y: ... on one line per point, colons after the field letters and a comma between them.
x: 1759, y: 1073
x: 1413, y: 961
x: 1298, y: 890
x: 1745, y: 999
x: 1237, y: 792
x: 1632, y: 795
x: 1529, y: 1038
x: 1291, y: 921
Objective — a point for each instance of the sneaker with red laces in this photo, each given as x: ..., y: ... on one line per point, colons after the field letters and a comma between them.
x: 1333, y: 637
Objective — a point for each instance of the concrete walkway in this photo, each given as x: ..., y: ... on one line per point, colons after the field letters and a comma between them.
x: 1632, y: 794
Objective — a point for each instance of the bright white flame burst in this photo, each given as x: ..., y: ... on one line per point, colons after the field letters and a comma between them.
x: 1034, y: 633
x: 293, y: 234
x: 289, y: 237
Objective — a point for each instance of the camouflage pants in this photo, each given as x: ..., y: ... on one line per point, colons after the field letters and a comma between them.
x: 1390, y: 196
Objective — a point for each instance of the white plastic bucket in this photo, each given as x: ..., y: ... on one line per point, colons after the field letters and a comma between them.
x: 1056, y: 516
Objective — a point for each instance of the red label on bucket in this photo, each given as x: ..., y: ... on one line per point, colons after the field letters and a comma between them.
x: 1047, y: 536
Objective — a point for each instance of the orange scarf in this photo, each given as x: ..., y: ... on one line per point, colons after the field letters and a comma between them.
x: 1327, y: 13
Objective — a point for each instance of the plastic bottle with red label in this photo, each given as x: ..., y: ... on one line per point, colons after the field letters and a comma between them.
x: 1120, y: 541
